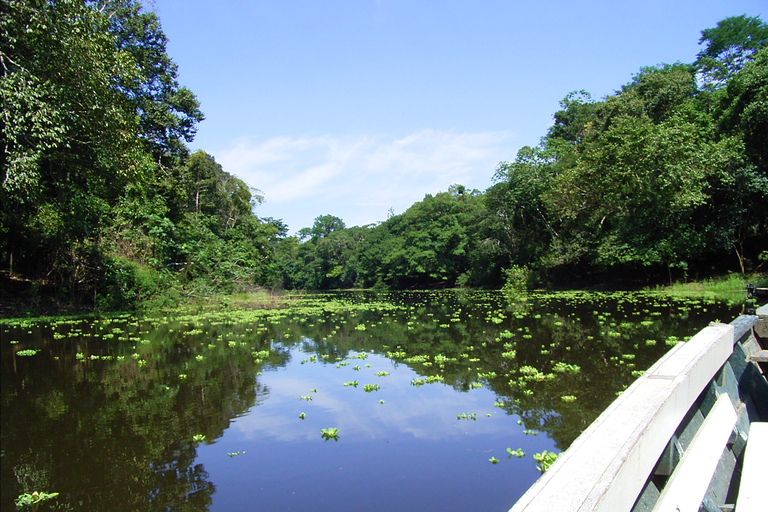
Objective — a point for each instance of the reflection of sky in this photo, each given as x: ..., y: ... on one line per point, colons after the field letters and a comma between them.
x: 409, y: 453
x: 427, y: 412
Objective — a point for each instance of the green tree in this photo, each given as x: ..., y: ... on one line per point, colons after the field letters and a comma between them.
x: 70, y: 136
x: 324, y: 225
x: 575, y: 116
x: 168, y: 113
x: 743, y: 116
x: 745, y: 109
x: 429, y: 244
x: 516, y: 199
x: 646, y: 188
x: 728, y: 47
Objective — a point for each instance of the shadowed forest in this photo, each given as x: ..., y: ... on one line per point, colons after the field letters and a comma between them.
x: 102, y: 205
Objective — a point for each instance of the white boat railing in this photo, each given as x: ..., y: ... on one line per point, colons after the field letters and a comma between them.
x: 662, y: 444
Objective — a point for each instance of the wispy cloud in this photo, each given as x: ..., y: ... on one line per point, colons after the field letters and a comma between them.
x: 359, y: 178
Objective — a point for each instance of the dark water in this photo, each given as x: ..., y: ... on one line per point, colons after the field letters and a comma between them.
x: 224, y: 410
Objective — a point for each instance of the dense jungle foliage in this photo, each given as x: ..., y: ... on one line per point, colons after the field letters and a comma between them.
x: 102, y: 204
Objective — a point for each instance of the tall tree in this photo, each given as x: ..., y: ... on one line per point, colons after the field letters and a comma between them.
x: 745, y: 109
x: 69, y: 134
x: 168, y: 113
x: 729, y: 46
x: 526, y: 229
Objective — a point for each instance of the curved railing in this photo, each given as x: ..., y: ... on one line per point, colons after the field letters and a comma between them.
x: 676, y: 438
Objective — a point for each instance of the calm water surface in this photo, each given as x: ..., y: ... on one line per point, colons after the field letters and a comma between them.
x: 224, y: 409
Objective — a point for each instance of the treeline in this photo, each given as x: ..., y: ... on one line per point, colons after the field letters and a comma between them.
x: 102, y: 203
x: 665, y: 179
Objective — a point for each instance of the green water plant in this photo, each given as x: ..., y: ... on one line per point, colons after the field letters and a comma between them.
x: 561, y: 367
x: 545, y: 459
x: 330, y: 433
x: 33, y: 500
x: 519, y: 453
x: 671, y: 341
x: 198, y: 438
x: 352, y: 383
x: 493, y: 460
x: 371, y: 387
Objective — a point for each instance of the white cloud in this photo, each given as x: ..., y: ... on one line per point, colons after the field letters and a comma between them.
x: 358, y: 178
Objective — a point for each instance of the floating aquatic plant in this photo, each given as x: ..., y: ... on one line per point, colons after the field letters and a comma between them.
x: 32, y: 500
x: 561, y: 367
x: 519, y: 453
x: 371, y: 387
x: 330, y: 433
x: 545, y: 459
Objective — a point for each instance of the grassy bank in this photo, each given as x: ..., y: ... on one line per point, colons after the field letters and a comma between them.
x: 730, y: 287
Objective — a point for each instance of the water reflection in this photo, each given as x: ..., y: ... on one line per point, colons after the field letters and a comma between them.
x: 143, y: 414
x: 360, y: 415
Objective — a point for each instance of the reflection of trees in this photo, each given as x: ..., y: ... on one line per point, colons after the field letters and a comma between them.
x: 117, y: 434
x: 604, y: 334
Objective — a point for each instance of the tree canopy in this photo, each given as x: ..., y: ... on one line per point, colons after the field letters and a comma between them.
x: 102, y: 201
x: 729, y: 46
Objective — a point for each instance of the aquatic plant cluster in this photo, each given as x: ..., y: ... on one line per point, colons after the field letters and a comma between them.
x: 537, y: 357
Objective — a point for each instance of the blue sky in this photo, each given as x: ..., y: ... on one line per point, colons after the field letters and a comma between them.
x: 355, y: 107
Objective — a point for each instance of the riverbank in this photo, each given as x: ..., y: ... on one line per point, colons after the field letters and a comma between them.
x: 25, y: 298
